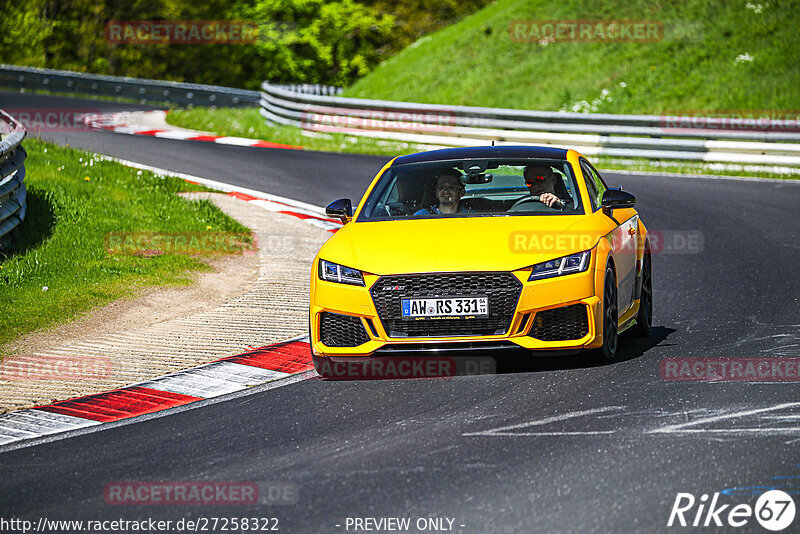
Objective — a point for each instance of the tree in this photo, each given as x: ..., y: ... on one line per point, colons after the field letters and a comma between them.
x: 316, y: 41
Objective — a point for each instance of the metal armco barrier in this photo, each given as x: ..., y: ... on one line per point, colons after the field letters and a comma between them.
x: 12, y: 178
x: 320, y: 108
x: 775, y: 142
x: 141, y: 90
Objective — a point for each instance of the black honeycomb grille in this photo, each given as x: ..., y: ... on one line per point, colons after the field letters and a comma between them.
x: 503, y: 290
x: 336, y: 330
x: 561, y: 324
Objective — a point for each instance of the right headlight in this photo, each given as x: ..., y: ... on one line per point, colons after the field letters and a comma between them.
x: 333, y: 272
x: 574, y: 263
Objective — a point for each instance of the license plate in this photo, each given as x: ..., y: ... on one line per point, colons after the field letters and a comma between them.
x: 445, y: 307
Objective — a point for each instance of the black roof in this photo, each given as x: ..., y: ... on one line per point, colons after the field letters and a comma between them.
x: 480, y: 152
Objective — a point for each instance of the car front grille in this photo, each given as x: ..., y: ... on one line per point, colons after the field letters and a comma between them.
x: 502, y: 288
x: 561, y: 324
x: 336, y: 330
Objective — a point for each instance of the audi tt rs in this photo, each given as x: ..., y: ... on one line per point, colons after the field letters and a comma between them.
x: 482, y: 248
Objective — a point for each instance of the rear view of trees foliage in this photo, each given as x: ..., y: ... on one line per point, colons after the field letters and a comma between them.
x: 312, y: 41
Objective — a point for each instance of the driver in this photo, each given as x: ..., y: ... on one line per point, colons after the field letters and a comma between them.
x: 449, y: 190
x: 544, y: 184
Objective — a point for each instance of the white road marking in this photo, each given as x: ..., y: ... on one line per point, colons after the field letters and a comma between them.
x: 505, y: 430
x: 682, y: 428
x: 175, y: 134
x: 237, y: 141
x: 575, y: 433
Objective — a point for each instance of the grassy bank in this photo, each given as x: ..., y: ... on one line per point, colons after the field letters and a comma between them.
x: 712, y: 56
x: 60, y: 266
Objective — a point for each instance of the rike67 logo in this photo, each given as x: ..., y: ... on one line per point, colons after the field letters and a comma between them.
x: 774, y: 510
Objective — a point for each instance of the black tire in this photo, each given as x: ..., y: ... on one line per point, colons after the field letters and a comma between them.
x: 608, y: 351
x: 644, y: 319
x: 323, y: 367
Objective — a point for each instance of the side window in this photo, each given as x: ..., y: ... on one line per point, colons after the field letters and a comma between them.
x: 588, y: 175
x: 601, y: 186
x: 594, y: 184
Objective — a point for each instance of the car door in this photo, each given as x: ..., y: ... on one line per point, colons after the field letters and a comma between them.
x: 623, y: 238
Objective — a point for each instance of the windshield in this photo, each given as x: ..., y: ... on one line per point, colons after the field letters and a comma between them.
x: 474, y: 188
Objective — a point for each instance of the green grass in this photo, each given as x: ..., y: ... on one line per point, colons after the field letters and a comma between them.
x: 475, y: 62
x: 247, y: 122
x: 75, y: 200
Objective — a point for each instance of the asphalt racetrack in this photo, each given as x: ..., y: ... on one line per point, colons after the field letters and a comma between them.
x: 558, y: 445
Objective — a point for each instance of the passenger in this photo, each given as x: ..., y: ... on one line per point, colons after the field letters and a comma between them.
x: 449, y: 190
x: 545, y: 185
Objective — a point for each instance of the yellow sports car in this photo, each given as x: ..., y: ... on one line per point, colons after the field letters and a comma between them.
x: 481, y: 248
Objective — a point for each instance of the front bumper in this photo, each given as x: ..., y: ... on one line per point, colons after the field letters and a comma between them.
x: 535, y: 297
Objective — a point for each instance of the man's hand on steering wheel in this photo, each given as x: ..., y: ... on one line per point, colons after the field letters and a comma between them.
x: 545, y: 198
x: 551, y: 201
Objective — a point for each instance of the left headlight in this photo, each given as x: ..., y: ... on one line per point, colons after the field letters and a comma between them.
x: 574, y: 263
x: 333, y: 272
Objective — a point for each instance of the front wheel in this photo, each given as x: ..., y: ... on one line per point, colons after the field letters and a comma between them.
x: 608, y: 352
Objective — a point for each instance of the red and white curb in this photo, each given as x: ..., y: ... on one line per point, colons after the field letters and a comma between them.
x: 330, y: 225
x: 153, y: 123
x: 224, y: 376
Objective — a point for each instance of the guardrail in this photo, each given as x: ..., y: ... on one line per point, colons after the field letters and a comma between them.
x: 139, y: 89
x: 12, y: 178
x: 593, y: 134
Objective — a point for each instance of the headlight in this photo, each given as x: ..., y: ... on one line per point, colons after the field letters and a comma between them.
x: 338, y: 273
x: 574, y: 263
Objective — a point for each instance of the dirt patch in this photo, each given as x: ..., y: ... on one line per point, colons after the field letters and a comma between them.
x: 230, y: 276
x: 247, y: 301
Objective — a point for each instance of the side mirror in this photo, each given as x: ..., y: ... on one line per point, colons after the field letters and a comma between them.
x: 340, y: 209
x: 616, y: 199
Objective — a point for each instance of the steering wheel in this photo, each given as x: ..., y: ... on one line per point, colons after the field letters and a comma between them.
x: 520, y: 205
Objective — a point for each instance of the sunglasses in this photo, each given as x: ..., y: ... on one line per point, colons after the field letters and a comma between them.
x: 530, y: 180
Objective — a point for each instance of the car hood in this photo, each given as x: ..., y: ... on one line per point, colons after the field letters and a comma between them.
x: 459, y: 244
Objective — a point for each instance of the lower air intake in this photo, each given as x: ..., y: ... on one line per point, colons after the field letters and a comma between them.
x: 561, y: 324
x: 337, y: 330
